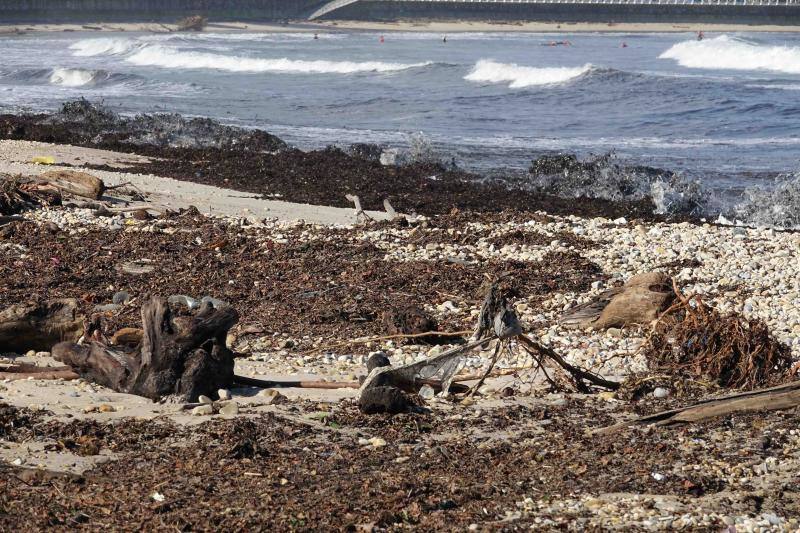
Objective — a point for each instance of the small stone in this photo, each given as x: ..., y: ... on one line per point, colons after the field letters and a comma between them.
x: 105, y: 408
x: 229, y: 408
x: 427, y: 392
x: 121, y: 298
x: 157, y: 496
x: 31, y: 353
x: 106, y: 308
x: 467, y: 402
x: 224, y: 394
x: 377, y: 442
x: 402, y: 459
x: 614, y: 332
x: 16, y: 462
x: 204, y: 399
x: 205, y: 409
x: 660, y: 392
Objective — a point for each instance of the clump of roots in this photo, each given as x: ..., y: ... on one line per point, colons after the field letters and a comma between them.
x: 694, y: 340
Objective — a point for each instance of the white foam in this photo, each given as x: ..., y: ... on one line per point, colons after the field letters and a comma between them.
x: 72, y: 77
x: 103, y: 46
x: 519, y: 77
x: 160, y: 56
x: 726, y: 53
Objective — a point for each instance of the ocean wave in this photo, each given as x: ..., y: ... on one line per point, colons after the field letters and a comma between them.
x: 776, y: 206
x: 726, y: 53
x: 160, y: 56
x: 76, y: 77
x: 102, y: 46
x: 519, y: 77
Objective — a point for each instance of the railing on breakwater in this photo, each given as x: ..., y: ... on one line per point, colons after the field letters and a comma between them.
x: 338, y: 4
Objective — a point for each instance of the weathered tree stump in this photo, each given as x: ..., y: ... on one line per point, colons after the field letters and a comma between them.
x: 184, y: 356
x: 37, y: 326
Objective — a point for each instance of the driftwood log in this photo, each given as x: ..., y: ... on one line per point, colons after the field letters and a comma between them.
x: 640, y: 301
x: 771, y: 399
x: 37, y: 326
x: 73, y: 182
x: 184, y: 355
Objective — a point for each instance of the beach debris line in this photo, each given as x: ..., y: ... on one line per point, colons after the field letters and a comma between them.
x: 182, y: 353
x: 694, y: 340
x: 497, y: 322
x: 18, y: 194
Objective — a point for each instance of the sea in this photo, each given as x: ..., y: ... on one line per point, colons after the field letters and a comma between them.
x: 723, y: 110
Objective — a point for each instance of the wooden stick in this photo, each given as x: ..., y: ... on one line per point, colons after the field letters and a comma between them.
x: 389, y: 337
x: 58, y: 374
x: 774, y: 398
x: 573, y: 370
x: 297, y: 384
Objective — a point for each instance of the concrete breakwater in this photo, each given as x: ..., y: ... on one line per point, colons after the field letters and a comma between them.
x: 84, y: 11
x: 776, y: 12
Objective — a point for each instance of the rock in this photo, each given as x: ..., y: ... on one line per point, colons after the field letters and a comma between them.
x: 106, y: 308
x: 273, y: 397
x: 383, y: 400
x: 229, y: 408
x: 215, y: 303
x: 224, y: 394
x: 377, y: 360
x: 202, y: 410
x: 105, y: 408
x: 660, y: 392
x: 426, y: 392
x: 204, y: 399
x: 186, y: 301
x: 121, y: 298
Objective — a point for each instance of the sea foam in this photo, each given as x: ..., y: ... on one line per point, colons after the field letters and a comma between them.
x: 160, y: 56
x: 72, y: 77
x: 519, y: 77
x: 726, y: 53
x: 103, y: 46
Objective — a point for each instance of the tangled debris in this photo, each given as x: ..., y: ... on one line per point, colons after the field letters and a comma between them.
x: 205, y: 151
x: 693, y: 339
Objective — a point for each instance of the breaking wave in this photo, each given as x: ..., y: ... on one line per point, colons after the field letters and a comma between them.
x: 519, y: 77
x: 726, y: 53
x: 160, y: 56
x: 76, y: 77
x: 777, y: 206
x: 102, y: 46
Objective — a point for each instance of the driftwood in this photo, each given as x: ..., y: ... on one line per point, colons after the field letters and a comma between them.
x: 771, y: 399
x: 73, y: 182
x: 16, y: 371
x: 640, y: 301
x: 38, y: 326
x: 179, y: 355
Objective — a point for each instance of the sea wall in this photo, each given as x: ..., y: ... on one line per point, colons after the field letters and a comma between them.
x: 86, y: 11
x: 387, y: 10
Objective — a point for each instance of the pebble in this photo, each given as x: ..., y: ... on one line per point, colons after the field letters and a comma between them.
x: 426, y: 392
x: 660, y: 392
x: 205, y: 409
x: 204, y: 399
x: 229, y: 408
x: 224, y: 394
x: 121, y: 298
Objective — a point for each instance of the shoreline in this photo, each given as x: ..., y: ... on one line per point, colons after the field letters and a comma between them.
x: 453, y: 27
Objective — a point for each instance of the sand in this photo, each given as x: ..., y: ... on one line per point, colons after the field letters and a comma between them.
x: 15, y: 157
